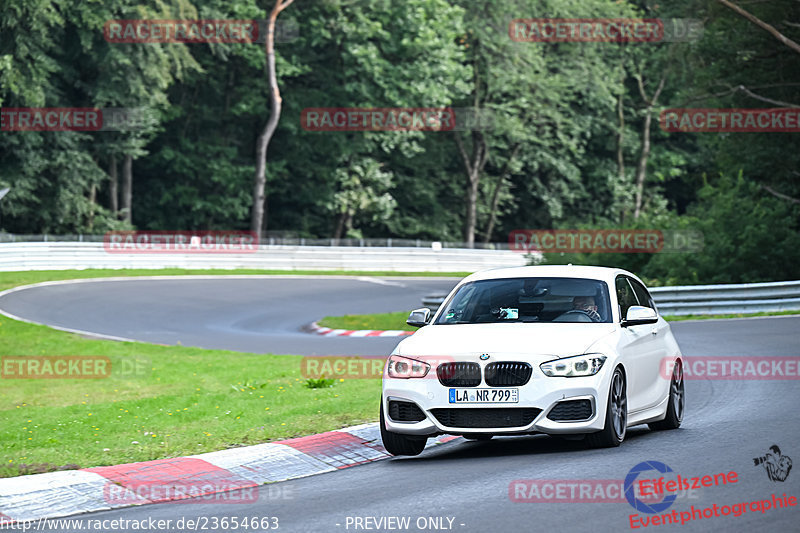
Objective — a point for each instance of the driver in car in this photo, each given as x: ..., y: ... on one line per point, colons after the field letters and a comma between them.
x: 587, y: 305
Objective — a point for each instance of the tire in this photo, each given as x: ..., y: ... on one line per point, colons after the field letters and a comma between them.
x: 480, y: 436
x: 399, y: 444
x: 677, y: 402
x: 616, y: 422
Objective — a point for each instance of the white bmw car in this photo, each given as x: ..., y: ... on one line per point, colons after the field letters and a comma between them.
x: 563, y: 350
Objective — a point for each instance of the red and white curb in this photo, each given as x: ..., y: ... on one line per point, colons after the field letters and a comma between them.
x: 328, y: 332
x: 58, y: 494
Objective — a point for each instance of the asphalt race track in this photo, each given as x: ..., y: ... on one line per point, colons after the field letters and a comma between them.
x: 727, y: 422
x: 259, y: 315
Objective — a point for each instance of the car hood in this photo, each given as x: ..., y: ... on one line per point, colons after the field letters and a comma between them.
x: 457, y: 340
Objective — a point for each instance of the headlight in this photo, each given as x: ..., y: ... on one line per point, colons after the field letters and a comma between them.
x: 404, y: 367
x: 571, y: 367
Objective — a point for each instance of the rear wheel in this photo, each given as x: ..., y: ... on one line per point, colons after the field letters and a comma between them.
x: 676, y: 402
x: 616, y: 424
x: 399, y: 444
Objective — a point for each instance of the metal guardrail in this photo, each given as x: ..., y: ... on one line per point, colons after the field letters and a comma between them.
x: 725, y: 299
x: 82, y: 255
x: 709, y: 299
x: 433, y: 301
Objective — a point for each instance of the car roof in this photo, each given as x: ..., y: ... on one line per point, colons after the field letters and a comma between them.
x: 606, y: 274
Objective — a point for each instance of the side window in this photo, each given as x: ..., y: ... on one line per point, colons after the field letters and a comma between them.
x: 641, y: 294
x: 625, y: 296
x: 455, y: 308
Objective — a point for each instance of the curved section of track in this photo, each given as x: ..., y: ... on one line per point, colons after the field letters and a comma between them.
x: 260, y: 314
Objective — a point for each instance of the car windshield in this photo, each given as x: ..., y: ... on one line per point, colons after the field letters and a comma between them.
x: 528, y: 300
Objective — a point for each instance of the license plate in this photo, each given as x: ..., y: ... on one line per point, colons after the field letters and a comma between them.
x: 484, y: 395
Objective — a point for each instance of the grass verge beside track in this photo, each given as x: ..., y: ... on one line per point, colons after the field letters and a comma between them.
x: 379, y: 321
x: 186, y: 400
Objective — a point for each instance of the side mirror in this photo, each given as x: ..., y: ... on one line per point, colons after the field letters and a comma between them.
x: 419, y: 317
x: 638, y: 315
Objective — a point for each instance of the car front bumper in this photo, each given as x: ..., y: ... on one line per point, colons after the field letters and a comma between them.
x: 541, y: 392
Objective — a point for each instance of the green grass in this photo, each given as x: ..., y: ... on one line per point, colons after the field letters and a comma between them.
x: 381, y: 321
x: 187, y: 400
x: 398, y: 320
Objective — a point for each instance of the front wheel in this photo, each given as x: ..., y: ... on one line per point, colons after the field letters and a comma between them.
x: 676, y: 402
x: 616, y: 424
x: 399, y: 444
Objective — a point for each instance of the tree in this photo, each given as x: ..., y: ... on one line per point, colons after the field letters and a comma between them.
x: 547, y: 98
x: 641, y: 170
x: 761, y: 24
x: 362, y: 188
x: 259, y: 183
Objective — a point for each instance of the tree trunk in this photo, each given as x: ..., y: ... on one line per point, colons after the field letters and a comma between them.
x: 473, y: 171
x: 113, y: 186
x: 257, y: 219
x: 487, y: 235
x: 473, y: 168
x: 340, y: 226
x: 472, y: 210
x: 92, y: 201
x: 620, y: 146
x: 761, y: 24
x: 641, y: 170
x: 127, y: 188
x: 487, y: 238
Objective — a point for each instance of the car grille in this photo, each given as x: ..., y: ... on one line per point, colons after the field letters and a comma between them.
x: 459, y: 374
x: 507, y: 374
x: 405, y: 411
x: 571, y: 410
x: 500, y: 417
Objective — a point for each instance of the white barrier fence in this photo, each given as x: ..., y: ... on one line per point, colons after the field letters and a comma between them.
x: 17, y: 256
